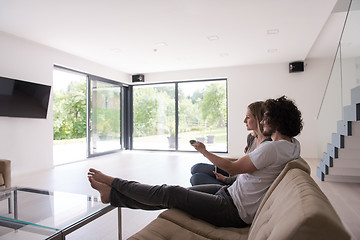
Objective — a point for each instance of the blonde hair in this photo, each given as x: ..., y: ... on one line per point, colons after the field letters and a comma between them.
x: 257, y: 109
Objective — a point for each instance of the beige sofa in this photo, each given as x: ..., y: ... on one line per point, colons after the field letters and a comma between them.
x: 294, y: 207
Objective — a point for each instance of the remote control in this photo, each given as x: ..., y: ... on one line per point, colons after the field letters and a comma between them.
x: 192, y: 141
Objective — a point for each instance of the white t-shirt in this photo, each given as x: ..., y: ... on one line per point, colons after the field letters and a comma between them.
x: 249, y: 188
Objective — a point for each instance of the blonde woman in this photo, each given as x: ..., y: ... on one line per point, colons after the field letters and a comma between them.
x: 203, y: 173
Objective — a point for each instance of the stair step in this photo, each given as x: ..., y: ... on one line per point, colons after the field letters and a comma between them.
x: 346, y: 163
x: 352, y: 142
x: 332, y: 151
x: 348, y: 152
x: 323, y: 167
x: 337, y: 140
x: 344, y: 127
x: 327, y: 159
x: 352, y: 112
x: 348, y: 179
x: 319, y: 174
x: 355, y: 95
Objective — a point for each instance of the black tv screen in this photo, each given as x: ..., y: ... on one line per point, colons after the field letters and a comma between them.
x: 23, y: 99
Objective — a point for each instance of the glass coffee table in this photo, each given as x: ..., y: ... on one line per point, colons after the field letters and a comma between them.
x: 27, y: 213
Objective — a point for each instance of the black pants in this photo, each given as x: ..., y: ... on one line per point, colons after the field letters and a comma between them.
x: 202, y: 173
x: 211, y: 203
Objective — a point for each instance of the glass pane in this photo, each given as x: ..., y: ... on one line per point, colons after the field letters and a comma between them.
x: 203, y: 114
x: 69, y: 116
x: 105, y: 132
x: 154, y: 117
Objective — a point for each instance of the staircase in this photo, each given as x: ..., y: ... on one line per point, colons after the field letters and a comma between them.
x: 341, y: 162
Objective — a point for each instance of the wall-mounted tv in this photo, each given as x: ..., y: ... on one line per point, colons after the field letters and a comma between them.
x: 23, y: 99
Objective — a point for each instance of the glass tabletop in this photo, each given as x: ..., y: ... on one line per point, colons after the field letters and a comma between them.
x: 27, y: 213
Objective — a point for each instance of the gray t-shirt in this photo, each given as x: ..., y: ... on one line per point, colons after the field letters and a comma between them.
x: 249, y: 188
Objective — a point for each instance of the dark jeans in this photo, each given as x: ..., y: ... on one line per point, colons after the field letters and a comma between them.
x: 211, y: 203
x: 202, y: 173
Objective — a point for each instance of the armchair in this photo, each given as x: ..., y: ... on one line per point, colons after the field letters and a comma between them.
x: 5, y: 180
x: 5, y: 174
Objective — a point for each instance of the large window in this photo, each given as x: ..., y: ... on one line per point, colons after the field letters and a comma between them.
x: 154, y: 117
x: 167, y: 116
x: 86, y: 115
x: 93, y: 115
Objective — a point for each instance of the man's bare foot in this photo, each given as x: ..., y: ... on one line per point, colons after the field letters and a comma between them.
x: 100, y: 177
x: 102, y: 188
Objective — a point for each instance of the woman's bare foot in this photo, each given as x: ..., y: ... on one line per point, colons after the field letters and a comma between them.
x: 102, y: 188
x: 100, y: 177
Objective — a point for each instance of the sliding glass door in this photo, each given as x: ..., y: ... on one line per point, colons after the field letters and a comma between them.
x: 69, y: 116
x: 104, y: 116
x: 97, y: 116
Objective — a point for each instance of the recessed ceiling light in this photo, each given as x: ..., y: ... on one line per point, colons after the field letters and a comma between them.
x: 161, y: 44
x: 182, y: 59
x: 116, y: 50
x: 213, y: 38
x: 273, y: 50
x: 272, y: 31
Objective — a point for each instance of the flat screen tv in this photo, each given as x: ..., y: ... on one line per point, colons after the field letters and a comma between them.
x: 23, y: 99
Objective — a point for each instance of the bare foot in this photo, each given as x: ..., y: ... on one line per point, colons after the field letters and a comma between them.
x: 103, y: 189
x: 100, y: 177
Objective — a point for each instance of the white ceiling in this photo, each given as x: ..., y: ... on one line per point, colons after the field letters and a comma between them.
x: 144, y: 36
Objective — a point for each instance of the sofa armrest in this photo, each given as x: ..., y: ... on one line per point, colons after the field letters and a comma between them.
x: 5, y: 169
x: 298, y: 163
x: 297, y: 209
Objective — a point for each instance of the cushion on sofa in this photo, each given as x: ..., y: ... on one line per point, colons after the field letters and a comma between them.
x: 161, y: 229
x: 203, y: 228
x: 186, y: 227
x: 297, y: 209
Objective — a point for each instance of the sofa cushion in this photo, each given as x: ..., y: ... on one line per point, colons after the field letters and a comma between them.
x: 161, y: 229
x: 297, y: 209
x: 185, y: 226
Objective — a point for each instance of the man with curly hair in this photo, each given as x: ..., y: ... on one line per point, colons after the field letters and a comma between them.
x: 223, y: 206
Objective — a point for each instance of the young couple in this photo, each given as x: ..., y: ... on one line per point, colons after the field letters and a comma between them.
x: 203, y: 173
x: 221, y: 205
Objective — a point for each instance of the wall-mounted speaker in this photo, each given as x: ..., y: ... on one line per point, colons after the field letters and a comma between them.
x: 296, y: 67
x: 138, y: 78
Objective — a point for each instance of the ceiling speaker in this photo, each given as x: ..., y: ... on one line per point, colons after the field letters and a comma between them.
x: 138, y: 78
x: 296, y: 67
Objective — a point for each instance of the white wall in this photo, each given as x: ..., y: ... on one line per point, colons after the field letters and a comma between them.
x: 259, y: 82
x: 28, y: 142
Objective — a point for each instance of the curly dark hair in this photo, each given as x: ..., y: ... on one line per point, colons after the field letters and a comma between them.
x: 283, y: 115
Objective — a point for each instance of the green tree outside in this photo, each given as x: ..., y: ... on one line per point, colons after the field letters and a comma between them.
x: 213, y: 106
x: 154, y: 109
x: 69, y: 112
